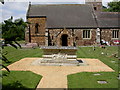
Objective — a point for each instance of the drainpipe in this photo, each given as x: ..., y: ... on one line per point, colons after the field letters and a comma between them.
x: 29, y: 34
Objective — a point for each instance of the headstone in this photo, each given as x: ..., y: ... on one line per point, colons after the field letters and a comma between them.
x: 113, y: 61
x: 96, y: 74
x: 102, y: 82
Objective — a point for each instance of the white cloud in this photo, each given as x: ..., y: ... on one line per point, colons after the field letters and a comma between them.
x: 15, y: 9
x: 23, y: 16
x: 105, y: 2
x: 19, y: 6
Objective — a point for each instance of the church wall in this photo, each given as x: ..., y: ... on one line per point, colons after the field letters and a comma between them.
x: 80, y: 41
x: 38, y: 37
x: 106, y: 35
x: 75, y: 37
x: 56, y: 34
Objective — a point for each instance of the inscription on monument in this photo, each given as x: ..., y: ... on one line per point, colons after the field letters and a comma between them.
x: 59, y: 56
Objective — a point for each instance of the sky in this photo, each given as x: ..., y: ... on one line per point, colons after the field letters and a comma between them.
x: 18, y: 8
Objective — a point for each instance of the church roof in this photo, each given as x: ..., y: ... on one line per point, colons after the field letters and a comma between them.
x: 73, y: 16
x: 67, y: 16
x: 108, y: 19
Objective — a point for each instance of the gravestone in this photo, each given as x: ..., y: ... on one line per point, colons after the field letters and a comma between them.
x: 96, y: 74
x: 102, y: 82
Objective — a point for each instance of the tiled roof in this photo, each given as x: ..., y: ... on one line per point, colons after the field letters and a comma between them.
x: 108, y: 19
x: 74, y: 16
x: 68, y: 16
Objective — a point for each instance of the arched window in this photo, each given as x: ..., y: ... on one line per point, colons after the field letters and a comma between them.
x: 36, y: 27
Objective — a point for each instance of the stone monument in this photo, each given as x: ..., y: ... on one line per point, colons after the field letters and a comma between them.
x: 53, y: 55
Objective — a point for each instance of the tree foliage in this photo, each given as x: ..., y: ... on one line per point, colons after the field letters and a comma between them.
x: 12, y: 31
x: 113, y: 7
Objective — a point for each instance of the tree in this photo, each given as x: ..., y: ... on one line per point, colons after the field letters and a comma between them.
x: 11, y: 31
x: 2, y: 54
x: 113, y: 7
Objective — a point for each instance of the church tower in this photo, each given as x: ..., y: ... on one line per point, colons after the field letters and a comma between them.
x: 97, y: 4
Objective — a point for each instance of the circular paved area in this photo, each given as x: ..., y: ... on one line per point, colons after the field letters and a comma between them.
x: 56, y: 76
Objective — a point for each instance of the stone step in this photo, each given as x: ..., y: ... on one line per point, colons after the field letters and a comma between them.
x: 71, y: 59
x: 62, y: 61
x: 51, y: 56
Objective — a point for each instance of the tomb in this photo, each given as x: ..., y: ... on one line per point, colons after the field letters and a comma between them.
x: 59, y: 53
x: 59, y: 56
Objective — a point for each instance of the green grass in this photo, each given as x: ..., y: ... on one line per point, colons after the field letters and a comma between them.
x: 14, y: 55
x: 87, y: 79
x: 88, y: 52
x: 79, y: 80
x: 21, y: 80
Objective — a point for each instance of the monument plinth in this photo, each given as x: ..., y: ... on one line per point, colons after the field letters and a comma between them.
x: 59, y: 56
x: 59, y: 53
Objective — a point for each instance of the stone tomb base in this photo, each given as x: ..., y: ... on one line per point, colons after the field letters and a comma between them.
x: 40, y: 62
x: 59, y: 56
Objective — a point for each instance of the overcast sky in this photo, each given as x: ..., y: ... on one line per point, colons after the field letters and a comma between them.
x: 18, y: 8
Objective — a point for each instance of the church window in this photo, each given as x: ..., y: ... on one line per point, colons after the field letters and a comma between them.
x: 86, y: 34
x: 36, y: 28
x: 115, y: 33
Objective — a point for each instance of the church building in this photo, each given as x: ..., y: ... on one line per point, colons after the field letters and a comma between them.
x: 71, y: 24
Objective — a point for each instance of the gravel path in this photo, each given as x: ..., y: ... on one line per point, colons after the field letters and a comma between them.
x: 56, y: 76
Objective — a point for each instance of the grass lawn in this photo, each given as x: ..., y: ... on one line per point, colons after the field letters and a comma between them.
x: 87, y: 79
x: 79, y: 80
x: 14, y: 55
x: 88, y: 52
x: 22, y: 80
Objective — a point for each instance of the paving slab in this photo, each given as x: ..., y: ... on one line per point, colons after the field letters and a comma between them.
x: 56, y: 76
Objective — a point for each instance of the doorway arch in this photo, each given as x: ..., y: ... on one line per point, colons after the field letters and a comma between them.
x: 64, y: 40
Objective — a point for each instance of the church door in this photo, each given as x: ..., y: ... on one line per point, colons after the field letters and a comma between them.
x: 64, y: 40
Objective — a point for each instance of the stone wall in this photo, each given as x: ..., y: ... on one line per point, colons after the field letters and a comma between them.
x: 75, y: 37
x: 106, y: 34
x: 80, y: 41
x: 36, y: 37
x: 53, y: 37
